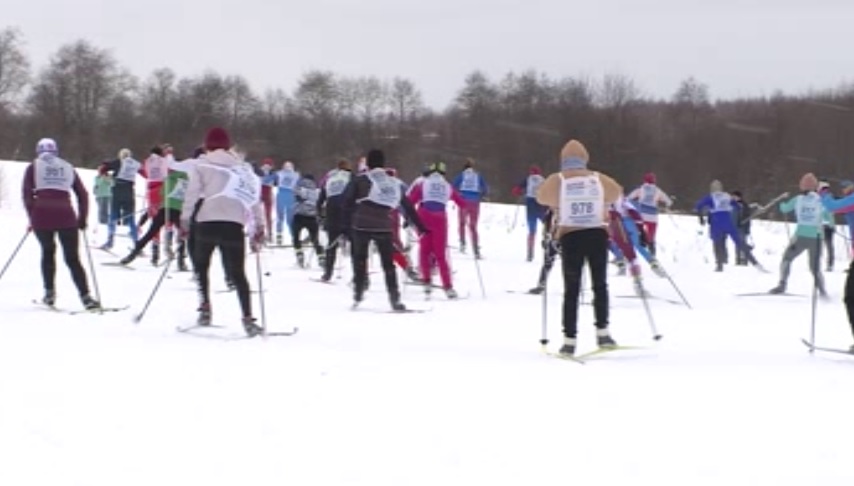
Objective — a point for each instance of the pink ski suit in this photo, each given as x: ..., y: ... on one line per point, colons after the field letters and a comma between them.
x: 431, y: 196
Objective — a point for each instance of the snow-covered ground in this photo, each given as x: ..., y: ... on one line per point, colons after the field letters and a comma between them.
x: 461, y: 395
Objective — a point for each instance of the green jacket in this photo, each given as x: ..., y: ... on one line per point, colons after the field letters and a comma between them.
x: 103, y: 186
x: 810, y: 214
x: 174, y: 188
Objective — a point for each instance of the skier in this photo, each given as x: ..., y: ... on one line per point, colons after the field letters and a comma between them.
x: 431, y: 197
x: 368, y: 202
x: 103, y: 189
x: 123, y: 172
x: 649, y: 197
x: 329, y: 206
x: 551, y: 249
x: 286, y: 180
x: 718, y: 205
x: 633, y: 227
x: 809, y: 210
x: 305, y: 218
x: 579, y: 198
x: 741, y: 213
x: 155, y: 170
x: 471, y: 185
x: 268, y: 181
x: 230, y: 190
x: 174, y: 188
x: 47, y: 185
x: 533, y: 210
x: 829, y: 227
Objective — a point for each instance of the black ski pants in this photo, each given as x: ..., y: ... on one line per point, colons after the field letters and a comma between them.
x: 577, y: 248
x: 310, y: 224
x: 69, y: 238
x: 385, y: 247
x: 829, y: 231
x: 334, y: 234
x: 156, y: 224
x: 228, y: 237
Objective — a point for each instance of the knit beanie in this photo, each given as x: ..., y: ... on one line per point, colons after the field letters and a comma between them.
x: 217, y: 139
x: 649, y: 178
x: 809, y: 182
x: 375, y: 159
x: 573, y: 156
x: 535, y: 170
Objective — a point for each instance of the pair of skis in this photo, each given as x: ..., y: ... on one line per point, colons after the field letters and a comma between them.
x: 827, y: 350
x: 207, y: 333
x: 75, y: 312
x: 585, y: 357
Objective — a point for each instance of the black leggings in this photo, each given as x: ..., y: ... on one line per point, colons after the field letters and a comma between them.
x: 156, y: 224
x: 70, y: 241
x: 230, y: 240
x: 309, y: 223
x: 577, y: 248
x: 385, y: 247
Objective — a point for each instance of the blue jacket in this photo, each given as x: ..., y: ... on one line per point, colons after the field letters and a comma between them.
x: 470, y: 195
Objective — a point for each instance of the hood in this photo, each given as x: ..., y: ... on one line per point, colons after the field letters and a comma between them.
x: 221, y: 158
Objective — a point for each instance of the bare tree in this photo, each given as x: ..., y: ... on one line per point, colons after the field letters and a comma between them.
x: 405, y: 100
x: 14, y: 66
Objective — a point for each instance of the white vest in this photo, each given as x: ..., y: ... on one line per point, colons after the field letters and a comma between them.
x: 156, y: 168
x: 385, y: 189
x: 128, y: 169
x: 470, y: 181
x: 648, y: 195
x: 243, y: 185
x: 582, y: 202
x: 336, y: 182
x: 808, y: 209
x: 288, y: 179
x: 51, y: 172
x: 435, y: 189
x: 534, y: 183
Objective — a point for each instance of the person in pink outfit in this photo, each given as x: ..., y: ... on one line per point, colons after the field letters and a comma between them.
x: 431, y: 197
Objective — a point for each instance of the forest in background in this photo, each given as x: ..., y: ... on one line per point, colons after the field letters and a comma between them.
x: 93, y: 106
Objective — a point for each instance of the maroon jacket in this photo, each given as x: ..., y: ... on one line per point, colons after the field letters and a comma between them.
x: 51, y: 209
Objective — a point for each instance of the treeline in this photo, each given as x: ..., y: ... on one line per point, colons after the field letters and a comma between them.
x: 93, y: 106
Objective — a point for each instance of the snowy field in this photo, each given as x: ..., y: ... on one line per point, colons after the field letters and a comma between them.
x: 461, y: 395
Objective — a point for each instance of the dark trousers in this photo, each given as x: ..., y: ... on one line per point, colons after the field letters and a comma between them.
x: 385, y: 247
x: 156, y: 224
x: 309, y: 223
x: 70, y: 241
x: 578, y: 247
x: 228, y: 237
x: 334, y: 233
x: 829, y: 231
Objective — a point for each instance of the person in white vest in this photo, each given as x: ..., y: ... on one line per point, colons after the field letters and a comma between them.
x: 230, y: 188
x: 47, y: 187
x: 286, y: 181
x: 580, y: 199
x: 648, y: 198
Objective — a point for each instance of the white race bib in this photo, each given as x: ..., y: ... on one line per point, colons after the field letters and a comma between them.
x: 155, y: 168
x: 808, y: 209
x: 582, y: 202
x: 53, y: 173
x: 648, y: 193
x: 179, y: 190
x: 288, y: 179
x: 337, y: 182
x: 128, y: 169
x: 385, y: 190
x: 534, y: 183
x: 243, y: 185
x: 436, y: 189
x: 470, y: 182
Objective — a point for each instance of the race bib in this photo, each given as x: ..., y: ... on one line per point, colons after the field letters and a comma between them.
x: 582, y: 202
x: 385, y: 190
x: 470, y: 182
x: 534, y: 183
x: 648, y: 193
x: 310, y: 195
x: 436, y: 189
x: 243, y: 185
x: 128, y: 170
x: 288, y: 179
x: 337, y: 183
x: 721, y: 202
x: 155, y: 169
x: 808, y: 210
x: 53, y: 173
x: 179, y: 190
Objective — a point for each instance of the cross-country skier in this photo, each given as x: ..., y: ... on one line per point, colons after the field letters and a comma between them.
x: 649, y: 197
x: 828, y: 226
x: 741, y: 213
x: 472, y: 186
x: 174, y: 188
x: 809, y: 214
x: 230, y: 190
x: 103, y: 189
x: 368, y: 202
x: 718, y: 205
x: 286, y: 181
x: 123, y: 172
x: 551, y: 249
x: 306, y: 196
x: 47, y: 187
x: 268, y: 181
x: 431, y: 197
x: 329, y: 205
x: 580, y: 199
x: 633, y: 227
x: 533, y: 210
x: 155, y: 170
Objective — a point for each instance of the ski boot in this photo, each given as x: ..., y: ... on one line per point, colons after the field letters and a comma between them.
x: 604, y: 339
x: 477, y: 253
x: 279, y: 239
x: 204, y: 318
x: 89, y: 303
x: 326, y: 277
x: 451, y: 294
x: 155, y: 254
x: 396, y: 304
x: 128, y: 259
x: 568, y: 348
x: 463, y: 247
x: 719, y: 267
x: 538, y: 290
x: 300, y: 259
x: 49, y: 298
x: 621, y: 268
x: 779, y: 289
x: 230, y: 284
x: 108, y: 245
x: 252, y: 329
x: 657, y: 269
x: 182, y: 265
x: 428, y: 291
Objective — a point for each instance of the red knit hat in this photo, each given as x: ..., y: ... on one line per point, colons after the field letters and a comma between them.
x: 216, y: 139
x: 649, y: 178
x: 535, y: 170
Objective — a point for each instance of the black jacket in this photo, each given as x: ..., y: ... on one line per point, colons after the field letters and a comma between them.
x: 369, y: 216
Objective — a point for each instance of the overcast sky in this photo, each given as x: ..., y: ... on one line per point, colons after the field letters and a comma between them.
x: 737, y: 47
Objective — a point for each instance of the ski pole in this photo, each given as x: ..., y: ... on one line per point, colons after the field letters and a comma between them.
x: 544, y: 317
x: 92, y: 269
x: 15, y: 253
x: 655, y: 335
x: 261, y: 293
x: 138, y: 318
x: 479, y: 276
x: 815, y: 267
x: 678, y: 291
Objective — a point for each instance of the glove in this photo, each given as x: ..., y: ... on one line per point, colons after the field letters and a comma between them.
x: 81, y: 224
